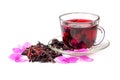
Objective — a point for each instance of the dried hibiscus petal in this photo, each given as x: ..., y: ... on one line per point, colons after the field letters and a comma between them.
x: 40, y: 53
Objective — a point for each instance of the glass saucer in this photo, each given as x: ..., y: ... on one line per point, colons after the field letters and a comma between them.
x: 104, y: 44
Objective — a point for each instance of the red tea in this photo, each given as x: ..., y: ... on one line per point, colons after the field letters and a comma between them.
x: 79, y: 33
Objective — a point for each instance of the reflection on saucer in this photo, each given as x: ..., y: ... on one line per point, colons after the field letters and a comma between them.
x: 77, y: 50
x: 80, y: 52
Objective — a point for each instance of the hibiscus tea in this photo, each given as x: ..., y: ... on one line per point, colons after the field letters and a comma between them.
x: 79, y: 33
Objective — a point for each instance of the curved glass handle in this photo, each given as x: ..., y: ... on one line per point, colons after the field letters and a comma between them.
x: 101, y: 36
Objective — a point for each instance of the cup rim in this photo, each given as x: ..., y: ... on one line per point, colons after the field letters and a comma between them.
x: 97, y: 16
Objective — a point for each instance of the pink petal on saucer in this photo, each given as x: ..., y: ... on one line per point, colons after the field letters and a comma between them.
x: 86, y: 59
x: 81, y: 50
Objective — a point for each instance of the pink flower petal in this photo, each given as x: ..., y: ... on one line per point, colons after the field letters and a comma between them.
x: 86, y: 58
x: 60, y: 59
x: 65, y: 60
x: 72, y: 59
x: 16, y: 56
x: 16, y: 50
x: 12, y: 56
x: 21, y: 60
x: 26, y: 45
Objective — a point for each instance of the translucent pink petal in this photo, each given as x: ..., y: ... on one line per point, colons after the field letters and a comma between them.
x: 65, y: 60
x: 17, y: 57
x: 26, y: 45
x: 86, y: 58
x: 72, y: 59
x: 17, y: 50
x: 21, y: 60
x: 12, y: 56
x: 60, y: 59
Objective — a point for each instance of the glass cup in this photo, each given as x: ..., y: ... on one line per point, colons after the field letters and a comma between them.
x: 80, y: 30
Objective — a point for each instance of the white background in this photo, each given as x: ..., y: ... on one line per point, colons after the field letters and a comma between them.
x: 37, y: 20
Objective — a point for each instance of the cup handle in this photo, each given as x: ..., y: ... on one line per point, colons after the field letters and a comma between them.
x: 101, y: 37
